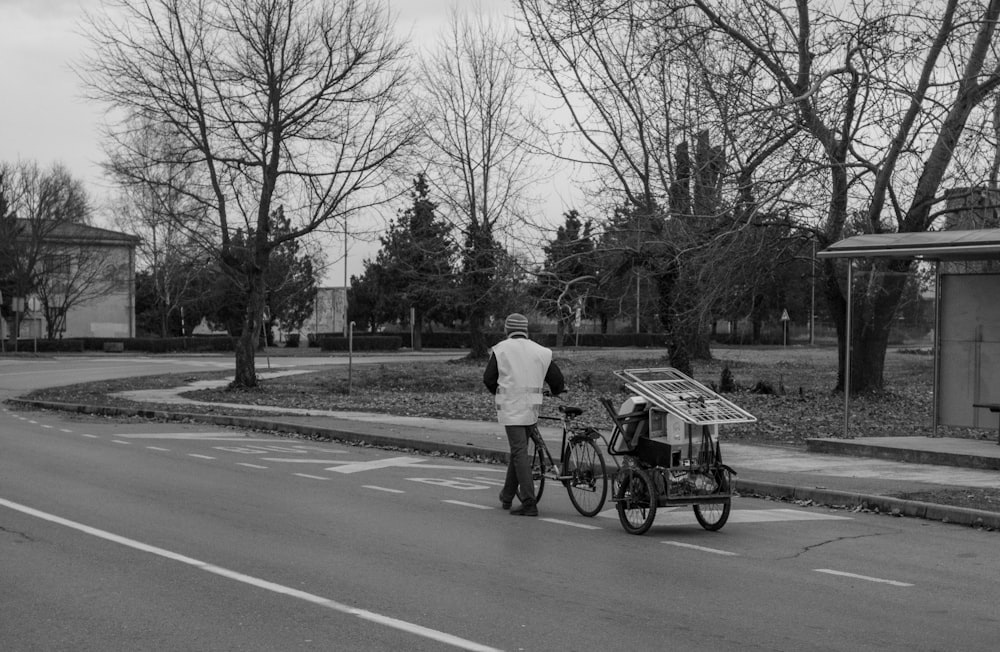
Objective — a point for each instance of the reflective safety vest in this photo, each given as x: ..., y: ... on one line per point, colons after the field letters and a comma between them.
x: 522, y: 365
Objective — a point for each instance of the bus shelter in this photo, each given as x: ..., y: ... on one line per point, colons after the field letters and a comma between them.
x: 966, y: 343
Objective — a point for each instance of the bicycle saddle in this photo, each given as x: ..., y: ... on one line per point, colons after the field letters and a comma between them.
x: 570, y: 410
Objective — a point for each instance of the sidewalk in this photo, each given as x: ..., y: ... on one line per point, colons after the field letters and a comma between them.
x: 850, y: 473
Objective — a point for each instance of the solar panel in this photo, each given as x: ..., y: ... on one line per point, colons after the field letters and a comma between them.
x: 672, y: 391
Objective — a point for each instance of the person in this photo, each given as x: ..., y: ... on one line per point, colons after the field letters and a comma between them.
x: 514, y: 374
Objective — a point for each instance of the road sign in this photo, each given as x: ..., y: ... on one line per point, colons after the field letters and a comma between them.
x: 784, y: 315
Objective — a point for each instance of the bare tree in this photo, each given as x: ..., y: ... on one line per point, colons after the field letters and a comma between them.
x: 475, y: 108
x: 291, y: 102
x: 884, y: 92
x: 641, y: 86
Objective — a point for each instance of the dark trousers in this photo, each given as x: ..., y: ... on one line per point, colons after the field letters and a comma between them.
x: 518, y: 480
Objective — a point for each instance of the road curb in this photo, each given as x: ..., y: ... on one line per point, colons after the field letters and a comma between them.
x: 275, y: 424
x: 883, y: 504
x: 817, y: 495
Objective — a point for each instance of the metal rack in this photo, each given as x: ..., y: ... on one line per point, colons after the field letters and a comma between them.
x: 687, y: 399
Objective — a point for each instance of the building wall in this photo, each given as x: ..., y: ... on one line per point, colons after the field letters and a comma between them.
x: 110, y: 315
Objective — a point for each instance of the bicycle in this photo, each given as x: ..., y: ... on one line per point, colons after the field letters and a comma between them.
x: 581, y: 468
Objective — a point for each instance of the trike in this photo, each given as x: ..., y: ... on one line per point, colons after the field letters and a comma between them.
x: 666, y: 435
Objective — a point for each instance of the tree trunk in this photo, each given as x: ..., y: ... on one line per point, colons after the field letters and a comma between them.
x: 477, y: 338
x: 875, y: 298
x: 418, y: 326
x: 246, y: 344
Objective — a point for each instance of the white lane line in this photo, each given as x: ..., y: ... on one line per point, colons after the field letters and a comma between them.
x: 493, y: 481
x: 33, y: 422
x: 311, y: 477
x: 252, y: 466
x: 364, y: 614
x: 465, y: 504
x: 299, y: 460
x: 65, y: 430
x: 714, y: 551
x: 89, y: 436
x: 582, y: 526
x: 44, y: 425
x: 385, y: 489
x: 201, y: 457
x: 861, y: 577
x: 119, y: 441
x: 157, y: 448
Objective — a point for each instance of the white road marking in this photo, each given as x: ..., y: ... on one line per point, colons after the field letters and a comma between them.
x: 682, y: 515
x: 582, y: 526
x: 311, y: 477
x: 64, y: 430
x: 157, y: 448
x: 465, y: 504
x: 119, y: 441
x: 493, y: 481
x: 89, y: 436
x: 861, y: 577
x: 714, y: 551
x: 252, y: 466
x: 385, y: 489
x: 364, y: 614
x: 45, y: 425
x: 451, y: 484
x: 201, y: 457
x: 299, y: 460
x: 189, y: 435
x: 357, y: 467
x: 33, y: 422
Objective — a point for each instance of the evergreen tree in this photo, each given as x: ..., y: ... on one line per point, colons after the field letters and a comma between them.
x: 568, y: 275
x: 414, y: 268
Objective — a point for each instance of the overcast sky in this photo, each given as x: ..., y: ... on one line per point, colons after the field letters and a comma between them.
x: 43, y: 116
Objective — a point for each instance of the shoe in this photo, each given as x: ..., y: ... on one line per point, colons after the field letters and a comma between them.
x: 505, y: 504
x: 525, y: 510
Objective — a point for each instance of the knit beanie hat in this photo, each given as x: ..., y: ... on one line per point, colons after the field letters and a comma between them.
x: 516, y: 322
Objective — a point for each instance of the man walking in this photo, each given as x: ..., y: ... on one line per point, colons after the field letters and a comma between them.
x: 514, y: 374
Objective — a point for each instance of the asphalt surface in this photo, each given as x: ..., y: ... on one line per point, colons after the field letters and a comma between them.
x: 852, y: 474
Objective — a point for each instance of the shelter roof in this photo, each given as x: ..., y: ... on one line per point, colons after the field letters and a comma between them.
x: 978, y: 244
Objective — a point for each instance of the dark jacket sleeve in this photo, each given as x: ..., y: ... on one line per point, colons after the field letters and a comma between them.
x: 491, y: 377
x: 554, y: 379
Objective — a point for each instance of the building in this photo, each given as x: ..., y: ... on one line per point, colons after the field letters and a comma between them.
x: 85, y: 278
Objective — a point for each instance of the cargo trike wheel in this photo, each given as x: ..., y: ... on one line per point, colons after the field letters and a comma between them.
x: 636, y: 500
x: 712, y: 516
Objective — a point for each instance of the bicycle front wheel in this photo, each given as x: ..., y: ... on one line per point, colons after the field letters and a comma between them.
x: 587, y: 483
x: 540, y: 463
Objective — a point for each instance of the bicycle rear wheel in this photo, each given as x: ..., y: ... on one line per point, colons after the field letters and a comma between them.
x: 588, y: 481
x: 540, y: 463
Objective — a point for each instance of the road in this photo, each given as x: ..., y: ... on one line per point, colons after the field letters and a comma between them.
x: 155, y: 536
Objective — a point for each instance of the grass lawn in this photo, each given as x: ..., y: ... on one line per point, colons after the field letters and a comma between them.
x: 802, y: 405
